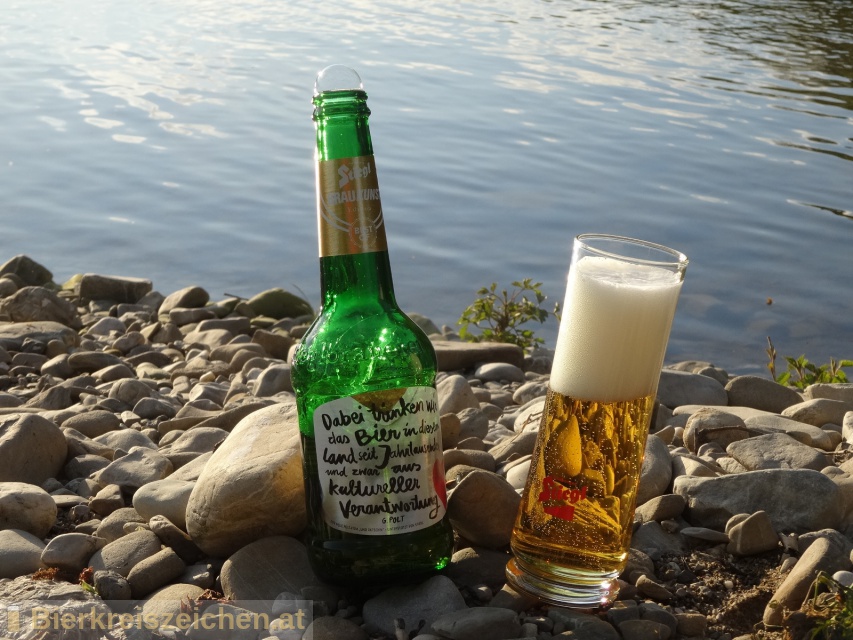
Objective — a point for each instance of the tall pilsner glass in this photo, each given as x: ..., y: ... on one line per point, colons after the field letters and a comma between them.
x: 573, y: 530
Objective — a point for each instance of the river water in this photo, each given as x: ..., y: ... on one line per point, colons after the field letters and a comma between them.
x: 173, y: 141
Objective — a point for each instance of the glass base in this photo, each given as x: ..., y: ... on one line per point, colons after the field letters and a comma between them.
x: 568, y: 588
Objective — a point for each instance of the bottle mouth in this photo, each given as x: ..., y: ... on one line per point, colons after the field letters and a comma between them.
x: 337, y: 77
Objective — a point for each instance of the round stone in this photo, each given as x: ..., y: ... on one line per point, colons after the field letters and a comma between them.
x: 26, y: 507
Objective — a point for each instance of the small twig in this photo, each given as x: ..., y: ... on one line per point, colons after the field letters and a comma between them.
x: 771, y: 352
x: 400, y: 629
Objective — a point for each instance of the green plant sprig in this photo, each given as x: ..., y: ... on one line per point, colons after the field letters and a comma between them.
x: 499, y: 315
x: 807, y: 373
x: 832, y: 604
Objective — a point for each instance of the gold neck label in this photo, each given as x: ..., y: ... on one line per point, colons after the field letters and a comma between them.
x: 350, y: 211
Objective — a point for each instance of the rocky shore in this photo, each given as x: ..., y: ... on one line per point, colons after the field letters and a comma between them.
x: 151, y: 483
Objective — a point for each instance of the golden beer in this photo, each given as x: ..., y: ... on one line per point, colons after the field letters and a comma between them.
x: 578, y: 505
x: 573, y: 530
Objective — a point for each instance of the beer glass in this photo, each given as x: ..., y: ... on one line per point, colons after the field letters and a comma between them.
x: 573, y: 530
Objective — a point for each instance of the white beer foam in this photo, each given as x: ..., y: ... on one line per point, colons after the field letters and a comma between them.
x: 615, y: 326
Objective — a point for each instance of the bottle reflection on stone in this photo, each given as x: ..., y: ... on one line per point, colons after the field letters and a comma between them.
x: 364, y: 376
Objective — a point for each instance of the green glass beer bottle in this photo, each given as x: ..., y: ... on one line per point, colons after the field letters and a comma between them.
x: 364, y: 376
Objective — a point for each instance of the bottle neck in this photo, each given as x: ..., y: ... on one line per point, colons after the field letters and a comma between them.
x: 354, y: 264
x: 361, y: 279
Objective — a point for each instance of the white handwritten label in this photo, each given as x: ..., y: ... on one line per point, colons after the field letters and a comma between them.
x: 380, y: 462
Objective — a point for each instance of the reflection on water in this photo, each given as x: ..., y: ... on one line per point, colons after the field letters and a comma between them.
x: 173, y: 141
x: 795, y: 39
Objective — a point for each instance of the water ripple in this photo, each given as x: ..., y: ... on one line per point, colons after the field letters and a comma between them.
x: 174, y: 141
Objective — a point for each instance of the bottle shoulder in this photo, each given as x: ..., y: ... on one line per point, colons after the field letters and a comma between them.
x: 363, y: 324
x: 363, y: 349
